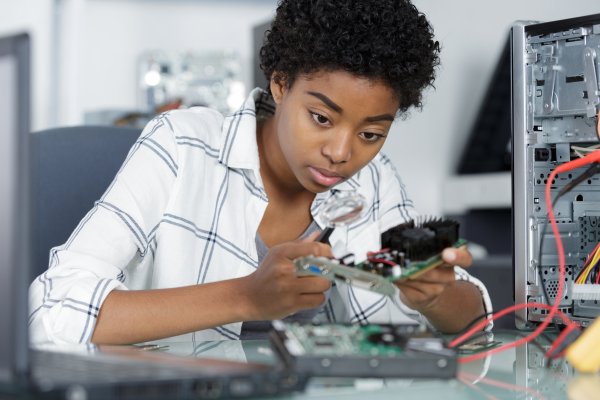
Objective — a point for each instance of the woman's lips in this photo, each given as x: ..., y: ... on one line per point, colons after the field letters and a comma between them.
x: 324, y: 177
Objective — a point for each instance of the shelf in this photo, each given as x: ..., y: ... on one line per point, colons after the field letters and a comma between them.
x: 477, y: 191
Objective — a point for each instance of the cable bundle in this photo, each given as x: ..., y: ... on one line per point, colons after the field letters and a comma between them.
x: 572, y: 329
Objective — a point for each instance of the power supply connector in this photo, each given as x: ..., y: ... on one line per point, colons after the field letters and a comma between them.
x: 586, y: 291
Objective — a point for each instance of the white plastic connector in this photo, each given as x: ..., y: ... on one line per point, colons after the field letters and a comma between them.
x: 585, y: 292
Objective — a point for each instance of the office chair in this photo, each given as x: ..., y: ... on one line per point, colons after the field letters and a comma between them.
x: 71, y: 168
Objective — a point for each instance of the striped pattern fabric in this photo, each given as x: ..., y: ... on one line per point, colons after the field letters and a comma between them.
x: 184, y: 209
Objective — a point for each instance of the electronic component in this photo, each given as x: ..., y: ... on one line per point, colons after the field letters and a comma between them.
x: 410, y: 249
x: 404, y: 350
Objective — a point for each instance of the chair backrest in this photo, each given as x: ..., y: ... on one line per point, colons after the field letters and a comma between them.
x: 71, y: 169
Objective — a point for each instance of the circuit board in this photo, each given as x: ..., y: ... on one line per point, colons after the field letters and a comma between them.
x: 403, y: 350
x: 378, y: 276
x: 409, y: 250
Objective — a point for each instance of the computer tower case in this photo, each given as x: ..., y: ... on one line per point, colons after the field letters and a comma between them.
x: 555, y: 103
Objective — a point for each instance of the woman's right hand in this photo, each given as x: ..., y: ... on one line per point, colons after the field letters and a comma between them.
x: 275, y: 291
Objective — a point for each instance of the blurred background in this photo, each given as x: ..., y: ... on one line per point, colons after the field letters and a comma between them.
x: 89, y: 59
x: 120, y: 61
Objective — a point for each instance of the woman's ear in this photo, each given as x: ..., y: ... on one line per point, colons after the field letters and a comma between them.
x: 278, y: 85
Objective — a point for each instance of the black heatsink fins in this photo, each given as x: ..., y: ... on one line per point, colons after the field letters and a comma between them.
x: 421, y: 239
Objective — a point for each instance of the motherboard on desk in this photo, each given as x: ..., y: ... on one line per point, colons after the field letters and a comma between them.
x: 556, y: 100
x: 378, y: 351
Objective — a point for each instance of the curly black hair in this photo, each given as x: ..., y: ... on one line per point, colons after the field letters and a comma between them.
x: 386, y: 40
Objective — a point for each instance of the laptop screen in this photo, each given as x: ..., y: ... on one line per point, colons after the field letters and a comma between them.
x: 14, y: 209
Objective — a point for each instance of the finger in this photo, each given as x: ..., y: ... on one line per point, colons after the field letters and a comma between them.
x: 411, y: 296
x: 293, y: 250
x: 427, y: 288
x: 312, y: 284
x: 423, y: 286
x: 410, y: 287
x: 457, y: 256
x: 312, y: 300
x: 441, y: 274
x: 312, y: 237
x: 420, y: 296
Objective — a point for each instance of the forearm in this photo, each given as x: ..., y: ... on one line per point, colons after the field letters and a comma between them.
x: 142, y: 315
x: 458, y: 305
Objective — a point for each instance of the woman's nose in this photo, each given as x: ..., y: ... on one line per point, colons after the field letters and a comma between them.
x: 338, y: 147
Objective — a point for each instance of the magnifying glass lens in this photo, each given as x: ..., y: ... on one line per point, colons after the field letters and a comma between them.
x: 343, y: 208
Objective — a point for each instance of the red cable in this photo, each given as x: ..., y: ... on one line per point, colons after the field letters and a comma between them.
x: 595, y: 266
x: 563, y: 335
x: 501, y: 313
x: 590, y: 256
x: 371, y: 253
x: 568, y: 166
x: 381, y: 260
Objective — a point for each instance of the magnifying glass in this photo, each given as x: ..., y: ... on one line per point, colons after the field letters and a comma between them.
x: 340, y: 210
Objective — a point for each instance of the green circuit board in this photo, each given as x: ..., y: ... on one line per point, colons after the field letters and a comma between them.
x: 378, y: 276
x: 342, y: 340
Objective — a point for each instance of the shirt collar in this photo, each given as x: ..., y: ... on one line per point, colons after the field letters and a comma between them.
x: 238, y: 147
x: 240, y: 150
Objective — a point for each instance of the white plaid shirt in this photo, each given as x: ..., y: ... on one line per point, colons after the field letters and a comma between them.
x: 184, y: 209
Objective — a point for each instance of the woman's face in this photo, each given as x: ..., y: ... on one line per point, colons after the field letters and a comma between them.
x: 328, y: 126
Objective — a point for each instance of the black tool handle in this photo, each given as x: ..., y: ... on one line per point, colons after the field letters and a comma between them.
x: 324, y: 236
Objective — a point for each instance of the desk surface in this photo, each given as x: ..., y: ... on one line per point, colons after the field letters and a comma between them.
x: 519, y: 373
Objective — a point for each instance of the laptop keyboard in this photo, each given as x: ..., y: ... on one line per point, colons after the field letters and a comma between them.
x: 64, y: 367
x: 96, y: 377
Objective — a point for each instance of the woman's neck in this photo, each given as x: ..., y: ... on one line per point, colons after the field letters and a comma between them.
x: 276, y: 175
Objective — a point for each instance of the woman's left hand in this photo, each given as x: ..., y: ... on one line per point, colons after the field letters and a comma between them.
x: 423, y: 292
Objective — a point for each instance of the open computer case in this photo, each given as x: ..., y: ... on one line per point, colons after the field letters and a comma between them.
x: 555, y: 103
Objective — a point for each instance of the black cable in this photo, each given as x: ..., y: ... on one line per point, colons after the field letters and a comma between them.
x: 591, y: 171
x: 479, y: 317
x: 512, y: 332
x: 324, y: 236
x: 588, y: 173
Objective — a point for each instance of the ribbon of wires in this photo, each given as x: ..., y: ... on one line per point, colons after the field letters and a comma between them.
x: 553, y: 310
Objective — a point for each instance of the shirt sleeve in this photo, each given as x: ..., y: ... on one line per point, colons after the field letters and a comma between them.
x: 65, y: 300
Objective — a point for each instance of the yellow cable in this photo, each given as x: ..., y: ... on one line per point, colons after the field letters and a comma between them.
x: 583, y: 278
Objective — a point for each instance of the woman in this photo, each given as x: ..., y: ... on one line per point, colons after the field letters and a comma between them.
x: 197, y: 233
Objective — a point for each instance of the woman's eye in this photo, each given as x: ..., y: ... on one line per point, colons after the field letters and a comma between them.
x: 319, y: 119
x: 371, y: 137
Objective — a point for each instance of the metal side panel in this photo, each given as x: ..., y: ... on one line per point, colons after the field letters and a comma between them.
x: 520, y: 102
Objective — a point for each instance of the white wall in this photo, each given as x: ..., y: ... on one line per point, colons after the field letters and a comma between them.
x: 34, y: 17
x: 111, y: 34
x: 101, y: 39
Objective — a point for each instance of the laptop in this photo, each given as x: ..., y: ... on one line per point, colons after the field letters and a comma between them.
x: 86, y: 372
x: 555, y: 103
